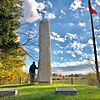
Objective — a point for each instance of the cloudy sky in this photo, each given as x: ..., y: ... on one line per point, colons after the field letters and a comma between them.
x: 70, y: 33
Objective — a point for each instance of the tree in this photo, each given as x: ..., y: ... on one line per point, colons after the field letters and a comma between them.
x: 91, y: 79
x: 10, y: 11
x: 11, y: 67
x: 30, y: 36
x: 11, y: 61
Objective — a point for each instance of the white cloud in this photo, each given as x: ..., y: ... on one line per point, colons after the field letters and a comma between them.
x: 98, y: 49
x: 56, y: 37
x: 96, y: 18
x: 78, y: 52
x: 72, y: 72
x: 71, y: 36
x: 71, y: 52
x: 50, y: 4
x: 77, y: 46
x: 98, y: 2
x: 62, y: 12
x: 76, y: 4
x: 40, y: 6
x: 30, y: 10
x: 90, y: 41
x: 82, y: 24
x: 61, y: 47
x: 73, y: 55
x: 35, y: 25
x: 62, y: 58
x: 57, y: 44
x: 84, y: 30
x: 87, y: 56
x: 57, y: 51
x: 54, y: 33
x: 36, y: 49
x: 65, y: 64
x: 97, y: 31
x: 50, y: 16
x: 92, y: 60
x: 71, y: 24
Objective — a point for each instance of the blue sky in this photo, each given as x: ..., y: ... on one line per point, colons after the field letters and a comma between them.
x: 70, y: 32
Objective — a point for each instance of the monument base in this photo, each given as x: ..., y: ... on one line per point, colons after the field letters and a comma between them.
x: 67, y: 91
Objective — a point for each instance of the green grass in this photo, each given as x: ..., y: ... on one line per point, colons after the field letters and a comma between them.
x: 47, y: 92
x: 80, y: 81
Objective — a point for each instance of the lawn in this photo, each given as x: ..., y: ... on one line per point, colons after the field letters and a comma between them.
x: 47, y: 92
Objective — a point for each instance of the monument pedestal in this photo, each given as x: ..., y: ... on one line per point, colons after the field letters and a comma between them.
x: 44, y: 53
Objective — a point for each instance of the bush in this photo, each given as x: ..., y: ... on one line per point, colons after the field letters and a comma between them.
x: 91, y: 79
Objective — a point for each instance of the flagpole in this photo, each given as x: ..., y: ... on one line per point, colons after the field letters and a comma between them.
x: 94, y: 45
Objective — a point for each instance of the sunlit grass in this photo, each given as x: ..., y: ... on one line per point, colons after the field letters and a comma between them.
x: 47, y: 92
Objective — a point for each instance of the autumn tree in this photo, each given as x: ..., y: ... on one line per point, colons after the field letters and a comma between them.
x: 11, y: 61
x: 11, y: 67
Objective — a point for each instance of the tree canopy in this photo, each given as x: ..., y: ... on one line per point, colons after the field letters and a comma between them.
x: 11, y: 61
x: 10, y: 11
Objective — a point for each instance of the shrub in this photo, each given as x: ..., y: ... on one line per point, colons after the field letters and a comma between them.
x: 91, y: 79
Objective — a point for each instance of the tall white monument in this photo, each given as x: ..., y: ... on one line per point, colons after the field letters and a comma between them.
x: 44, y: 53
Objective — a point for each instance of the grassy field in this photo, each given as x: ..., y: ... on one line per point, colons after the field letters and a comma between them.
x: 47, y: 92
x: 80, y: 81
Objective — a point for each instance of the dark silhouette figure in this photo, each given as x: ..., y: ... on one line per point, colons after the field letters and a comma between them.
x: 32, y: 72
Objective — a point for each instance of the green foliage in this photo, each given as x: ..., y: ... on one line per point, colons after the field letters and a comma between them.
x: 10, y: 11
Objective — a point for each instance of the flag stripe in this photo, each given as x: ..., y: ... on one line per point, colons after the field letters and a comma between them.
x: 92, y: 11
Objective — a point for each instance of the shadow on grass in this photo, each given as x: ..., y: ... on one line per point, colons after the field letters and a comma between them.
x: 42, y: 86
x: 47, y: 92
x: 14, y: 86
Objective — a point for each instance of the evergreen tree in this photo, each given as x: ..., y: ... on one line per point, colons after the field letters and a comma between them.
x: 10, y: 11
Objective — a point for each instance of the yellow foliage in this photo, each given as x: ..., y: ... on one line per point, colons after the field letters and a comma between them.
x: 11, y: 68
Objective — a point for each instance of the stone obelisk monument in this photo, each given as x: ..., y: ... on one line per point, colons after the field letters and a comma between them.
x: 44, y: 53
